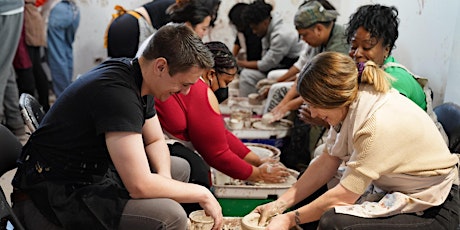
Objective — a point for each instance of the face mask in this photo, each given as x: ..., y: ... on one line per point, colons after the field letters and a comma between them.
x: 221, y: 94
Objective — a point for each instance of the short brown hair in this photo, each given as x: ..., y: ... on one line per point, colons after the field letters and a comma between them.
x: 180, y: 46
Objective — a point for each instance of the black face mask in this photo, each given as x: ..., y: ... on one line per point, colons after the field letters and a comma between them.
x: 221, y: 94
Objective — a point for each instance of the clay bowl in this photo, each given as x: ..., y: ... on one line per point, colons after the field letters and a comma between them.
x: 199, y: 221
x: 250, y: 222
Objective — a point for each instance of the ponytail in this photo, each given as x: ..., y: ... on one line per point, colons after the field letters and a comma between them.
x: 370, y: 73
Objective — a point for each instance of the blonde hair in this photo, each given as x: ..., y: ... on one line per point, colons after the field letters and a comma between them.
x: 332, y: 80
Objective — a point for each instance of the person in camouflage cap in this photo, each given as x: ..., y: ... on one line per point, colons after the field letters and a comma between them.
x: 312, y: 12
x: 315, y: 24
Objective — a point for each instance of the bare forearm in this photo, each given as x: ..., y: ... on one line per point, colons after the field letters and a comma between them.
x: 289, y: 74
x: 195, y: 193
x: 253, y: 159
x: 236, y: 50
x: 312, y: 211
x: 337, y: 196
x: 158, y: 186
x: 295, y: 103
x: 291, y: 94
x: 248, y: 64
x: 159, y: 157
x: 317, y: 174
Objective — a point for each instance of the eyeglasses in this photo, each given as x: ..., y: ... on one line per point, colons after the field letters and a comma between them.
x: 229, y: 74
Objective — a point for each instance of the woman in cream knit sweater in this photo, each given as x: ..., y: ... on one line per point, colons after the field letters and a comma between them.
x: 400, y: 173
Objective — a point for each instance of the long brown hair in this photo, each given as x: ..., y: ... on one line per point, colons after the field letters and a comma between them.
x: 332, y: 80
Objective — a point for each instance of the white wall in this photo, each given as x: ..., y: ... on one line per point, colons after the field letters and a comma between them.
x: 89, y: 41
x: 426, y: 43
x: 452, y: 92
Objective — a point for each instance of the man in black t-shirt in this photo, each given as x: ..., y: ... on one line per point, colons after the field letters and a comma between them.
x: 99, y: 159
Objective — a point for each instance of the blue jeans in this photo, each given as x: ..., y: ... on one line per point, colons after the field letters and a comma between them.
x: 63, y: 22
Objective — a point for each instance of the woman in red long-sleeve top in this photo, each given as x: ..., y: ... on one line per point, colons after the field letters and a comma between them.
x: 196, y: 118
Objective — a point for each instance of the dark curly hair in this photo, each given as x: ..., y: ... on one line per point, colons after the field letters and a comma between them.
x: 380, y: 21
x: 256, y: 12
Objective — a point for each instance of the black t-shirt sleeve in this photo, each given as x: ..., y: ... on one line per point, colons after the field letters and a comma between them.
x: 149, y: 105
x: 118, y: 108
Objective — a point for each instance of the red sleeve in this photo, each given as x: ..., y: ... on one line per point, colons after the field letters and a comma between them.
x: 236, y: 145
x: 210, y: 137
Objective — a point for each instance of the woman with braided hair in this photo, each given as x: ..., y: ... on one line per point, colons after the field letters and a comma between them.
x: 386, y: 141
x: 195, y: 121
